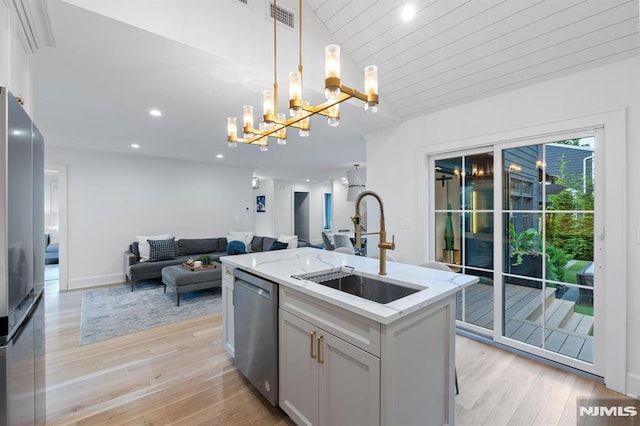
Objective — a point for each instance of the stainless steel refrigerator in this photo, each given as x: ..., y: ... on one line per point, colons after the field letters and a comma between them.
x: 22, y: 386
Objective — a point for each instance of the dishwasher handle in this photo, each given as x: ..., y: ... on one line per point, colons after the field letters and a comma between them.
x: 257, y: 290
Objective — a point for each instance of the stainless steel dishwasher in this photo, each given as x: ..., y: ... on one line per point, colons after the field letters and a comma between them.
x: 255, y: 318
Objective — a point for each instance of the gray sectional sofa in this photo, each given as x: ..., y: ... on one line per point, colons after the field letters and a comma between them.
x: 135, y: 270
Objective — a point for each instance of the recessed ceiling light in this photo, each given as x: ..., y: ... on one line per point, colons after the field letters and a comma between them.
x: 220, y: 156
x: 408, y: 12
x: 135, y: 146
x: 155, y: 113
x: 307, y: 180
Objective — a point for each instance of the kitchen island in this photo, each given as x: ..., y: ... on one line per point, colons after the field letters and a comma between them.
x: 347, y: 360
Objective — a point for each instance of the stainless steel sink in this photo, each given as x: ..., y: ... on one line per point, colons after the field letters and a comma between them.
x: 348, y: 280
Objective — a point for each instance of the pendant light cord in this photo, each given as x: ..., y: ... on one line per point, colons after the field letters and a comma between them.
x: 275, y: 60
x: 300, y: 45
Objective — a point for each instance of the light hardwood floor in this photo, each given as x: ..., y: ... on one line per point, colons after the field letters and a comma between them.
x: 180, y: 374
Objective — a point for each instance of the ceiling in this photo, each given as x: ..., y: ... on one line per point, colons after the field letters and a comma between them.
x: 94, y: 89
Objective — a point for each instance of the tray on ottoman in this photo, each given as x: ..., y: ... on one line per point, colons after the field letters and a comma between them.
x: 182, y: 280
x: 185, y: 265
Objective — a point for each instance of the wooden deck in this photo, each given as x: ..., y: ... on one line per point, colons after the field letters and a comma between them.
x: 565, y: 331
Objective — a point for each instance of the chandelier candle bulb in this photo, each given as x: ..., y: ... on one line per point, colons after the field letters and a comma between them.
x: 305, y: 123
x: 332, y: 71
x: 247, y: 120
x: 232, y: 129
x: 264, y: 143
x: 295, y: 93
x: 268, y: 107
x: 334, y: 115
x: 281, y: 134
x: 371, y: 88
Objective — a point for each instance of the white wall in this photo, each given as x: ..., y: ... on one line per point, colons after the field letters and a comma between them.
x: 113, y: 198
x: 283, y: 207
x: 589, y: 92
x: 263, y: 221
x: 343, y: 210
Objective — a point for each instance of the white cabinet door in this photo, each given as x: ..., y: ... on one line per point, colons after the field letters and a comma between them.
x: 298, y: 366
x: 349, y: 384
x: 227, y: 318
x: 227, y: 310
x: 325, y: 380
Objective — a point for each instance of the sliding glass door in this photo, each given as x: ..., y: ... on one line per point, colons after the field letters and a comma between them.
x: 522, y: 218
x: 547, y: 273
x: 464, y: 230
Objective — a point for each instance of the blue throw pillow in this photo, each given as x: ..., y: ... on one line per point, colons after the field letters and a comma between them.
x: 236, y: 247
x: 161, y: 250
x: 278, y: 245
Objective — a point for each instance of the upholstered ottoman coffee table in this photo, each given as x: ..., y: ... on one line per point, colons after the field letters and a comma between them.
x: 182, y: 280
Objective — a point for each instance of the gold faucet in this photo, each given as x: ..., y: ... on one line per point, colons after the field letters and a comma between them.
x: 384, y: 245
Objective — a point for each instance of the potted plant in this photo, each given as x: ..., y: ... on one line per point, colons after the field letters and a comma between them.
x: 205, y: 259
x: 524, y: 257
x: 522, y: 244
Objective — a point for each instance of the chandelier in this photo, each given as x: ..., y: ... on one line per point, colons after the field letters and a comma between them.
x: 274, y: 124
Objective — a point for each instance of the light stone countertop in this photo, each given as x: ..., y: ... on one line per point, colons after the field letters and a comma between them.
x: 280, y: 265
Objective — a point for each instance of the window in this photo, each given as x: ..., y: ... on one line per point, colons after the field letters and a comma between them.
x: 327, y: 210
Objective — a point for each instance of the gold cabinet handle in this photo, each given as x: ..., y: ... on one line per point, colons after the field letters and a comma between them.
x: 312, y: 337
x: 320, y: 360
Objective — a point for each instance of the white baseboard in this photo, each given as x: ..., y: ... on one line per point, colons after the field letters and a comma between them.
x: 633, y: 385
x: 97, y: 281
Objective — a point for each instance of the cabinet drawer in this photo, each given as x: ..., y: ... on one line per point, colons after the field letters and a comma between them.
x: 360, y: 332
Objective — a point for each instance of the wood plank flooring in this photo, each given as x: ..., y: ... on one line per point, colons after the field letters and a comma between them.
x: 180, y: 374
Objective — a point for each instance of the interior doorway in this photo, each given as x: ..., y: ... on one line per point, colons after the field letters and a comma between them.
x: 301, y: 215
x: 51, y: 229
x: 55, y: 227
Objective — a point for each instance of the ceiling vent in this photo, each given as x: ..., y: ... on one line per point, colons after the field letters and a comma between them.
x: 243, y: 1
x: 284, y: 16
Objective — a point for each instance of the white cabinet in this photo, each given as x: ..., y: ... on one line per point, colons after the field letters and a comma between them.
x: 24, y: 28
x: 227, y: 309
x: 325, y: 380
x: 337, y: 367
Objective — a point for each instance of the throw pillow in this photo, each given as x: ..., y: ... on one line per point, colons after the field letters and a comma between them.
x: 278, y: 245
x: 291, y: 240
x: 236, y: 247
x: 161, y: 250
x: 244, y: 236
x: 143, y: 245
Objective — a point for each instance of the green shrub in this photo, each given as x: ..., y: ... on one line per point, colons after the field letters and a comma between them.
x: 558, y: 259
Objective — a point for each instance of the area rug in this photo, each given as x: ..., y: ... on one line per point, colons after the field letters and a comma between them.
x: 117, y: 311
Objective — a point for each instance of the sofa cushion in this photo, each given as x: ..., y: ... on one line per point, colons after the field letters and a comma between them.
x: 161, y: 250
x: 267, y: 242
x: 278, y: 245
x: 143, y: 244
x: 244, y: 236
x: 236, y: 247
x: 222, y: 244
x: 133, y: 248
x: 291, y: 240
x: 197, y: 246
x: 151, y: 270
x: 256, y: 243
